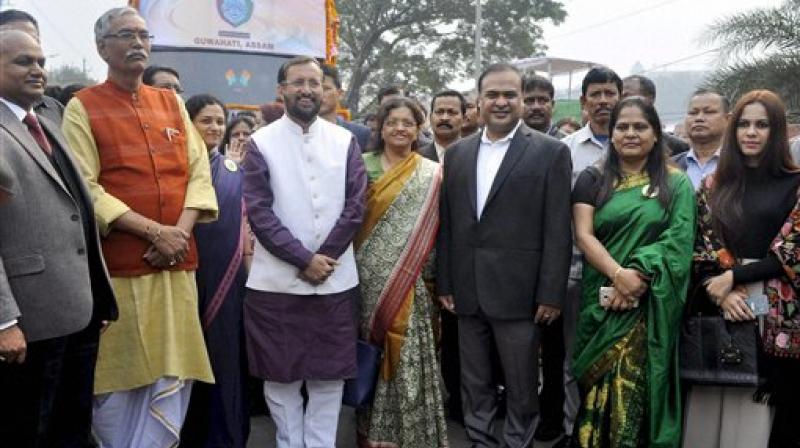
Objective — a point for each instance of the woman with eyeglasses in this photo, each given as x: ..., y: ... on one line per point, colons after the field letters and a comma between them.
x: 749, y: 230
x: 393, y: 250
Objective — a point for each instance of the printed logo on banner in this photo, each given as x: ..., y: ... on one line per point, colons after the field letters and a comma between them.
x: 237, y: 82
x: 235, y: 12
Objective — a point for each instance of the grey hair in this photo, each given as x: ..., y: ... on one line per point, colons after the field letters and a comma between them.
x: 103, y: 24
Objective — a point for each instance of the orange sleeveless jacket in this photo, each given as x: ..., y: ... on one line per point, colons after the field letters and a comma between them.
x: 144, y: 162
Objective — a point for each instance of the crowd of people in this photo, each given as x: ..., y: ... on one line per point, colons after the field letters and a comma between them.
x: 156, y: 255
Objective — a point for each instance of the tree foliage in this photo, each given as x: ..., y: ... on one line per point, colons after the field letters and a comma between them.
x: 425, y: 44
x: 760, y: 49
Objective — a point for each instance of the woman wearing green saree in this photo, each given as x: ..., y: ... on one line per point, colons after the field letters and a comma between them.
x: 393, y: 250
x: 635, y: 223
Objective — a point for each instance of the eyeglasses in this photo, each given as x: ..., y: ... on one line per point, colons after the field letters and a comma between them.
x: 176, y: 87
x: 130, y: 35
x: 300, y: 83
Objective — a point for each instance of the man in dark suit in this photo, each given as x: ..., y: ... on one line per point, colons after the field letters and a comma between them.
x: 332, y: 94
x: 14, y: 19
x: 55, y: 293
x: 503, y: 253
x: 539, y: 101
x: 447, y: 113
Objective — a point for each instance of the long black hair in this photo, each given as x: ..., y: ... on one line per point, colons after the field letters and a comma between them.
x: 725, y: 199
x: 656, y: 166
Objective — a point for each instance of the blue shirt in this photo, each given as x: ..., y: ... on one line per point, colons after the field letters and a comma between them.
x: 697, y: 171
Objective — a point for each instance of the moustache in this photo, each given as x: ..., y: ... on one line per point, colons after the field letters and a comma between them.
x: 135, y: 53
x: 311, y: 98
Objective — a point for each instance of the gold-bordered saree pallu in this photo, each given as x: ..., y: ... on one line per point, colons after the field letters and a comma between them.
x: 626, y: 362
x: 392, y: 248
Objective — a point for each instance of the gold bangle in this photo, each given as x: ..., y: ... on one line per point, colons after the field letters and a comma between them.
x: 616, y: 273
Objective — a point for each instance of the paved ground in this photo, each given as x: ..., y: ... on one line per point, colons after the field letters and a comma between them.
x: 262, y: 433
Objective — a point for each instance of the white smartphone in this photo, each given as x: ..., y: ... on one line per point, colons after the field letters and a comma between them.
x: 605, y: 297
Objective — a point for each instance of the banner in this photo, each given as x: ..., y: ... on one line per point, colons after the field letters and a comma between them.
x: 296, y: 27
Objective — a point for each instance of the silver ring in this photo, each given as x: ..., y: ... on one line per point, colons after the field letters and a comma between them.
x: 2, y: 358
x: 172, y: 262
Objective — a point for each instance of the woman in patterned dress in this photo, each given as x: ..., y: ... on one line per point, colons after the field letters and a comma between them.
x: 393, y: 249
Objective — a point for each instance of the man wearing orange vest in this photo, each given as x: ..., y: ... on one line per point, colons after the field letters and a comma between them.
x: 149, y: 177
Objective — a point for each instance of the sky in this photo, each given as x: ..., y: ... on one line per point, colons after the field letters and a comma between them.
x: 660, y: 34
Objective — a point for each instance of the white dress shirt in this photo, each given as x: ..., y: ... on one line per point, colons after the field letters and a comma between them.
x: 439, y: 151
x: 19, y: 112
x: 490, y: 156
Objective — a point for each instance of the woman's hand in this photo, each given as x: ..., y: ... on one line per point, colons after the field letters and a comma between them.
x: 235, y: 150
x: 735, y: 308
x: 720, y: 286
x: 620, y: 302
x: 630, y: 283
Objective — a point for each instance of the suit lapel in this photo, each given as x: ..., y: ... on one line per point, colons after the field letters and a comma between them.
x: 54, y: 132
x: 515, y: 151
x: 20, y: 132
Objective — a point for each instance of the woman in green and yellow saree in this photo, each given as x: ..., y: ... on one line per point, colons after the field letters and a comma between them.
x: 635, y: 223
x: 393, y: 250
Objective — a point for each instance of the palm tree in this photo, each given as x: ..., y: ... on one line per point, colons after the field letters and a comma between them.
x: 759, y: 49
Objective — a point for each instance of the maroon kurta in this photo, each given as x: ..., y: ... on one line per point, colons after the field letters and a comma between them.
x: 301, y: 337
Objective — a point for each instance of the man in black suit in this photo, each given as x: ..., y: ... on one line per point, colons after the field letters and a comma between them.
x: 503, y: 253
x: 55, y: 293
x: 447, y: 113
x: 14, y: 19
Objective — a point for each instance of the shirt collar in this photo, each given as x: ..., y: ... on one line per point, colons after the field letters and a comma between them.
x: 585, y: 134
x: 18, y: 111
x: 692, y: 155
x: 295, y: 128
x: 509, y: 136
